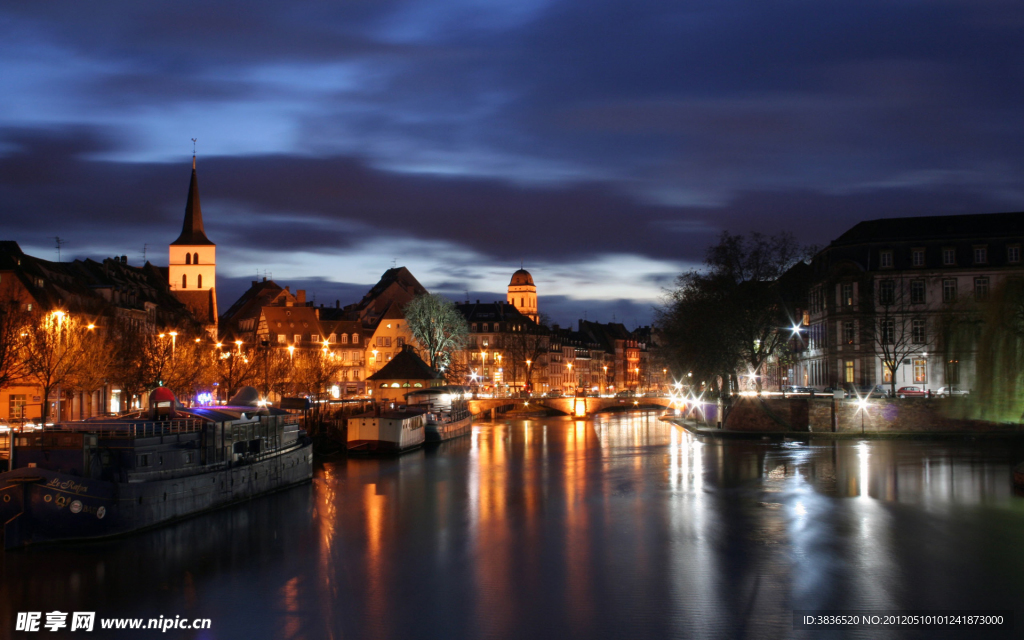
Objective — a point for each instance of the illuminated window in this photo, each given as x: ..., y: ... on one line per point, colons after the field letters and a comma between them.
x: 282, y: 338
x: 17, y: 405
x: 887, y: 372
x: 920, y: 370
x: 847, y: 292
x: 298, y: 337
x: 355, y: 338
x: 849, y: 371
x: 315, y: 337
x: 332, y: 338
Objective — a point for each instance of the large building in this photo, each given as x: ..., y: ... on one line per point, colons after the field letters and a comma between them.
x: 884, y: 293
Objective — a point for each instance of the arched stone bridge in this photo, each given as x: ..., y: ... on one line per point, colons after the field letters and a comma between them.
x: 568, y: 406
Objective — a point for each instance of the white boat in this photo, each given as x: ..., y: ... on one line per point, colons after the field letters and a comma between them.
x: 447, y: 411
x: 386, y: 431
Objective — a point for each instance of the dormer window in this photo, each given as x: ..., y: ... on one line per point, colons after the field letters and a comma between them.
x: 949, y: 256
x: 981, y: 255
x: 885, y: 259
x: 917, y: 257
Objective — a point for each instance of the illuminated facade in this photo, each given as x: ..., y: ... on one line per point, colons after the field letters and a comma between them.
x: 522, y: 294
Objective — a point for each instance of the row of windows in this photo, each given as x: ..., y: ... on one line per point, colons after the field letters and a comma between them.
x: 978, y: 253
x: 191, y: 258
x: 331, y: 339
x: 184, y: 281
x: 887, y: 290
x: 887, y: 331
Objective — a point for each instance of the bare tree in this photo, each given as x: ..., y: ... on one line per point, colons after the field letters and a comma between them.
x: 523, y: 348
x: 54, y: 352
x: 438, y: 327
x: 14, y: 320
x: 898, y: 332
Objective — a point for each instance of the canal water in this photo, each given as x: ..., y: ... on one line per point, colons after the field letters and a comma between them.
x: 619, y: 527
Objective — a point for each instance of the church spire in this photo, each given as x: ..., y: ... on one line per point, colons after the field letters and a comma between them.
x: 192, y: 232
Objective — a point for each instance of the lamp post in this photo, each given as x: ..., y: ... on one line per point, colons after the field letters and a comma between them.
x: 528, y: 372
x: 174, y: 343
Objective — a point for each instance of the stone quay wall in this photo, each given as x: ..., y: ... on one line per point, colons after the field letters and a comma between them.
x: 906, y: 415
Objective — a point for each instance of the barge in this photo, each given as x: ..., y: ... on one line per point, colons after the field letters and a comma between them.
x: 447, y: 411
x: 386, y: 431
x: 106, y: 477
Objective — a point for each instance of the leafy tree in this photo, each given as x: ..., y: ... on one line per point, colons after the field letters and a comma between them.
x: 438, y: 327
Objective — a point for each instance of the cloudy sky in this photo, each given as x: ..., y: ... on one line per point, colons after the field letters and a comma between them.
x: 603, y: 144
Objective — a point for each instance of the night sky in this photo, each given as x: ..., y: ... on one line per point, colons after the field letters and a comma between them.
x: 603, y: 144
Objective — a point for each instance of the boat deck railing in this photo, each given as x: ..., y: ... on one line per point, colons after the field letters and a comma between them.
x: 130, y: 428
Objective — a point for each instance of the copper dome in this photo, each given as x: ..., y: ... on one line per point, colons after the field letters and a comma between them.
x: 520, y: 278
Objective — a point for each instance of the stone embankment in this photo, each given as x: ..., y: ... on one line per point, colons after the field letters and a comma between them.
x: 877, y: 416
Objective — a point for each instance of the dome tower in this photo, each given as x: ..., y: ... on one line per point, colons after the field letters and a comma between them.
x: 522, y: 294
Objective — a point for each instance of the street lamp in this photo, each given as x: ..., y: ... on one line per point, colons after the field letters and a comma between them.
x: 174, y: 343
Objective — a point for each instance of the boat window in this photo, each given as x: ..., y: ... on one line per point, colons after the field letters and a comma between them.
x: 383, y: 385
x: 394, y: 385
x: 418, y: 385
x: 143, y: 460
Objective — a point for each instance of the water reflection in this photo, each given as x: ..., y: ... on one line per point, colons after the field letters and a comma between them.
x: 621, y: 526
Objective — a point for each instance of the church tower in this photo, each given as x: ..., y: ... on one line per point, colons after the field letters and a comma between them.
x: 522, y: 294
x: 192, y: 267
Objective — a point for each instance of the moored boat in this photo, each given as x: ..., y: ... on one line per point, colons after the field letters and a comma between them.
x: 386, y: 431
x: 97, y: 478
x: 447, y: 411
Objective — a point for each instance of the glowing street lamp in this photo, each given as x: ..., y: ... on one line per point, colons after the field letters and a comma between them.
x: 291, y: 351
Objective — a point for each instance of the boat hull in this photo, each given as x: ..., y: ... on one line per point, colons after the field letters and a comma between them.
x: 38, y: 505
x: 387, y: 434
x: 441, y: 431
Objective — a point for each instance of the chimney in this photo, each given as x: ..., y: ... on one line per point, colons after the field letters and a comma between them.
x: 264, y: 278
x: 124, y: 259
x: 287, y: 288
x: 300, y: 296
x: 478, y: 302
x: 337, y: 304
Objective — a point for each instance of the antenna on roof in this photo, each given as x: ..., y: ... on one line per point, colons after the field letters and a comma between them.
x: 144, y: 252
x: 394, y: 263
x: 59, y: 244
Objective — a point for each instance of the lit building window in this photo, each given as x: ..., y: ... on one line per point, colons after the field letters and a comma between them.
x: 920, y: 370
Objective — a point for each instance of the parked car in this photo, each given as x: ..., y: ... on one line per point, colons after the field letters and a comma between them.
x: 911, y: 392
x: 553, y: 394
x: 831, y: 391
x: 953, y: 391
